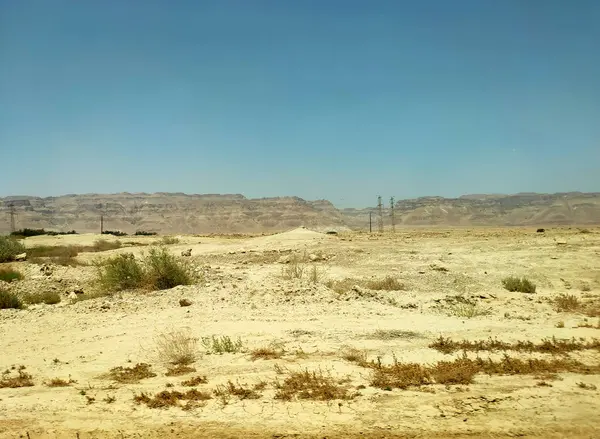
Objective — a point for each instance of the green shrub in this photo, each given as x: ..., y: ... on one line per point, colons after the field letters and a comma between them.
x: 48, y: 297
x: 522, y: 285
x: 9, y: 300
x: 164, y: 271
x: 9, y: 275
x: 159, y: 270
x: 144, y: 233
x: 121, y: 272
x: 9, y: 248
x: 167, y: 240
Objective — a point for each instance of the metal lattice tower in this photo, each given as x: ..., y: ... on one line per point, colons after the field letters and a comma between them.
x: 13, y: 227
x: 380, y: 214
x: 392, y: 214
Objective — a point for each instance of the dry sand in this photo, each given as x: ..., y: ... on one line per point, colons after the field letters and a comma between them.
x: 245, y: 296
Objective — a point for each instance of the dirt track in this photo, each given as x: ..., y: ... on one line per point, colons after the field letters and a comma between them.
x: 244, y: 296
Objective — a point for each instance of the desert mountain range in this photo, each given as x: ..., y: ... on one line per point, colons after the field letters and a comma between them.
x: 200, y: 214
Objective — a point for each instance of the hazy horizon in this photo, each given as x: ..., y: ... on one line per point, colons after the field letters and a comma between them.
x: 336, y: 100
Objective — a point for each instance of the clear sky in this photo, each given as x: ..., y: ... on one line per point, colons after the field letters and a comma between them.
x: 335, y: 99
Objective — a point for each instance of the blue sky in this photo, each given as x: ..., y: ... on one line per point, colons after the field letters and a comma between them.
x: 335, y: 99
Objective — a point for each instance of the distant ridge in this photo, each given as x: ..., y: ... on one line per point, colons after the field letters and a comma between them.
x: 233, y: 213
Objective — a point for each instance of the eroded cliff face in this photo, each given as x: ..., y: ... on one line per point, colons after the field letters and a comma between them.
x: 214, y: 213
x: 169, y: 213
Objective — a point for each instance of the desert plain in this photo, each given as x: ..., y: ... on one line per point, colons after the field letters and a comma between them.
x: 310, y: 335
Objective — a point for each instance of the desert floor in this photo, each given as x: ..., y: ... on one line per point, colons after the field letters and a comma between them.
x: 447, y: 274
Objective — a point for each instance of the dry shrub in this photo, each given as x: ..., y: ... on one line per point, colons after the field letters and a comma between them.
x: 9, y: 300
x: 59, y: 382
x: 522, y: 285
x: 585, y: 386
x: 179, y: 370
x: 547, y: 346
x: 312, y: 385
x: 294, y: 269
x: 8, y: 274
x: 468, y: 310
x: 266, y: 353
x: 392, y: 334
x: 589, y: 325
x: 102, y: 245
x: 47, y: 297
x: 341, y: 286
x: 241, y: 391
x: 169, y: 240
x: 195, y: 381
x: 315, y: 274
x: 172, y: 398
x: 177, y: 347
x: 10, y: 248
x: 388, y: 283
x: 566, y: 303
x: 131, y: 374
x: 12, y: 381
x: 355, y: 356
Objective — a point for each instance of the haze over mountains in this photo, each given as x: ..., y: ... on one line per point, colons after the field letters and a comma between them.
x: 211, y: 213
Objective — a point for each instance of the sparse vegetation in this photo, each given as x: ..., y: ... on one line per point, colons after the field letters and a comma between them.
x: 172, y: 398
x: 121, y: 272
x: 522, y: 285
x: 177, y: 347
x: 463, y: 370
x: 114, y: 233
x: 312, y: 386
x: 222, y: 344
x: 12, y: 381
x: 144, y: 233
x: 47, y: 297
x: 9, y: 300
x: 131, y: 374
x: 566, y: 303
x: 585, y: 386
x: 25, y: 233
x: 10, y: 248
x: 315, y: 274
x: 164, y: 271
x: 547, y: 346
x: 294, y: 269
x: 354, y: 355
x: 391, y: 334
x: 8, y: 274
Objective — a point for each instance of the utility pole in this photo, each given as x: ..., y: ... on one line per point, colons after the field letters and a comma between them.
x: 101, y: 224
x: 380, y: 211
x: 392, y: 214
x: 370, y: 222
x: 12, y: 219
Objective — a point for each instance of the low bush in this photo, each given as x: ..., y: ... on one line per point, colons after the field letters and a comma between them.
x: 522, y: 285
x: 9, y: 300
x: 121, y: 272
x: 164, y: 270
x: 8, y: 274
x: 47, y: 297
x: 10, y: 248
x: 144, y: 233
x: 114, y: 233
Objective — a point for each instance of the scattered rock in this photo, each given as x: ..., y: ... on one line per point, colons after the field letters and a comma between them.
x: 77, y: 289
x: 187, y: 252
x: 313, y: 257
x: 46, y: 270
x: 21, y: 257
x: 185, y: 302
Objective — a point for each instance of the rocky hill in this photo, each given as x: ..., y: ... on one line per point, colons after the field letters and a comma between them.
x: 181, y: 213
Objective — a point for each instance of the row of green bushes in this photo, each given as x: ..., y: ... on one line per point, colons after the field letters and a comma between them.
x: 26, y: 233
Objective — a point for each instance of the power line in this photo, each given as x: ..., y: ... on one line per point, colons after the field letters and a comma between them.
x: 13, y: 228
x: 392, y: 214
x: 380, y: 212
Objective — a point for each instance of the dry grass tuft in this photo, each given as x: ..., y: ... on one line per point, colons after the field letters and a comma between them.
x: 177, y: 347
x: 12, y: 381
x: 467, y: 310
x: 294, y: 269
x: 585, y: 386
x: 240, y: 391
x: 547, y: 346
x: 566, y: 303
x: 166, y: 399
x: 179, y: 370
x: 392, y: 334
x: 589, y: 325
x: 354, y: 355
x: 59, y: 382
x: 195, y: 381
x: 131, y: 374
x: 313, y: 386
x: 388, y: 283
x: 266, y: 353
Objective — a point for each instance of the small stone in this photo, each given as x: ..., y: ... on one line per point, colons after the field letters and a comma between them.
x: 21, y: 257
x: 185, y: 302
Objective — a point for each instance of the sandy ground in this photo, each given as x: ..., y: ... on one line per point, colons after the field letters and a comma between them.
x: 244, y: 295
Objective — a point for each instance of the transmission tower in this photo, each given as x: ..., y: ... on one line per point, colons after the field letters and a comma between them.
x: 380, y: 213
x: 392, y: 214
x: 12, y: 218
